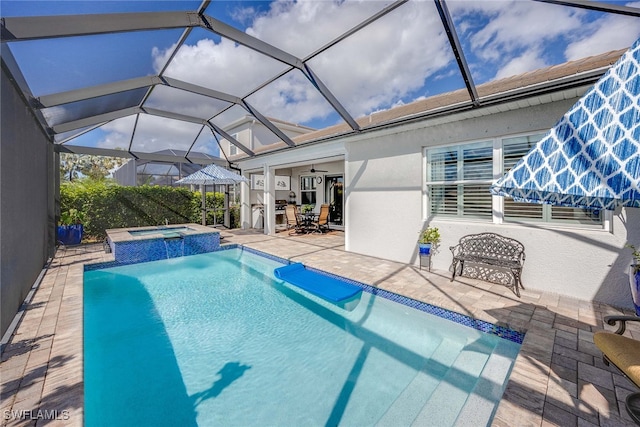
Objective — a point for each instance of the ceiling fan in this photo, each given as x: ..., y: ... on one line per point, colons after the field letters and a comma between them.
x: 314, y: 170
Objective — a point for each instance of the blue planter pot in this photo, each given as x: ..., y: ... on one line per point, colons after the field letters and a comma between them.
x: 634, y: 281
x: 425, y: 248
x: 70, y: 234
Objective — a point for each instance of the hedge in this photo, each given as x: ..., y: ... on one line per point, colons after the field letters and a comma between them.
x: 107, y: 205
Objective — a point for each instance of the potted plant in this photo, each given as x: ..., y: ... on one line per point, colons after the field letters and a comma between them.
x: 429, y: 238
x: 71, y: 229
x: 634, y: 277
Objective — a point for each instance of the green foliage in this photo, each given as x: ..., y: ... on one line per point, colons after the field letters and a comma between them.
x: 103, y: 204
x: 215, y: 208
x: 72, y: 216
x: 636, y: 257
x: 306, y: 208
x: 74, y: 166
x: 107, y: 205
x: 430, y: 235
x: 234, y: 216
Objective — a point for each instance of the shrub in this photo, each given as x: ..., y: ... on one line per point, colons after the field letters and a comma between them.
x: 108, y: 205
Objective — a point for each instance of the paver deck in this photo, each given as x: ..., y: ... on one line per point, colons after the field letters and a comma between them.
x: 558, y: 379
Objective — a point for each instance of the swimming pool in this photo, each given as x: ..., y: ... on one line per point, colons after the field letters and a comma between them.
x: 215, y: 339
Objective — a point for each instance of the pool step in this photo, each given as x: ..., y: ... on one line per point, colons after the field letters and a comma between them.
x: 410, y: 402
x: 483, y: 400
x: 451, y: 392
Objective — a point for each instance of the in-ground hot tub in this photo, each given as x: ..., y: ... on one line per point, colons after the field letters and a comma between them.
x: 142, y: 244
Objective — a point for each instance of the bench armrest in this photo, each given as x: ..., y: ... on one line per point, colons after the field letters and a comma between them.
x: 612, y: 320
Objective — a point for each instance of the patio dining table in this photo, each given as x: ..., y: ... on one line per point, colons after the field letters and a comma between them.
x: 306, y: 220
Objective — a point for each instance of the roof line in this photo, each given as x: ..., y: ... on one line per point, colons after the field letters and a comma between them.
x: 542, y: 88
x: 229, y: 138
x: 266, y: 122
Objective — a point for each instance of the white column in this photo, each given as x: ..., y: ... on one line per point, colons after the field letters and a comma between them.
x: 346, y: 193
x: 245, y: 203
x: 226, y: 221
x: 269, y: 200
x: 203, y: 206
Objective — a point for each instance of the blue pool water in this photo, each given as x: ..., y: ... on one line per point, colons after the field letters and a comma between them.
x: 165, y: 231
x: 215, y: 340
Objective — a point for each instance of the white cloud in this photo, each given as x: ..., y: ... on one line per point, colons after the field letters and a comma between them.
x: 152, y: 134
x: 529, y: 60
x: 609, y: 33
x: 525, y: 25
x: 118, y: 133
x: 183, y: 102
x: 512, y: 37
x: 224, y: 66
x: 384, y: 63
x: 155, y: 133
x: 518, y: 36
x: 371, y: 69
x: 303, y: 26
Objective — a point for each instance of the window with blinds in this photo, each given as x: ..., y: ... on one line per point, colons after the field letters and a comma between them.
x: 459, y: 177
x: 513, y: 150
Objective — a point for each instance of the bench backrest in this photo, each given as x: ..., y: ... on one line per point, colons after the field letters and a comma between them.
x: 490, y: 245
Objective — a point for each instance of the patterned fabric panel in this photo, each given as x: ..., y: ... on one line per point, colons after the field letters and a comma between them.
x: 591, y: 158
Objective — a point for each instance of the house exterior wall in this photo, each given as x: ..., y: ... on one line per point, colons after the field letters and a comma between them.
x: 262, y: 136
x: 127, y: 174
x: 254, y: 135
x: 385, y: 210
x: 27, y: 212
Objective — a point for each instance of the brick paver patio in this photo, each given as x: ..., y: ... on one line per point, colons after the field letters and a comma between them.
x: 558, y: 379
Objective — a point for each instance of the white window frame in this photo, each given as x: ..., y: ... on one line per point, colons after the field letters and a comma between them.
x: 233, y: 149
x: 497, y: 202
x: 459, y: 173
x: 313, y: 190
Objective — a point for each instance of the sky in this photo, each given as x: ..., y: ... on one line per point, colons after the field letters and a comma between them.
x: 401, y: 57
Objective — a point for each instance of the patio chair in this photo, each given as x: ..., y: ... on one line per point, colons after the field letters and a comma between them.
x: 624, y: 353
x: 293, y: 219
x: 322, y: 223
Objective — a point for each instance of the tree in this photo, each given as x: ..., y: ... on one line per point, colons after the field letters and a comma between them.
x: 74, y: 166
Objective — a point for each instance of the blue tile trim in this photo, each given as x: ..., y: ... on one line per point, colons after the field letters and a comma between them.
x: 480, y: 325
x: 266, y: 255
x: 156, y: 249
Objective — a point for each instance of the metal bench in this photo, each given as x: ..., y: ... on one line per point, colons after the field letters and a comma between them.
x: 489, y: 255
